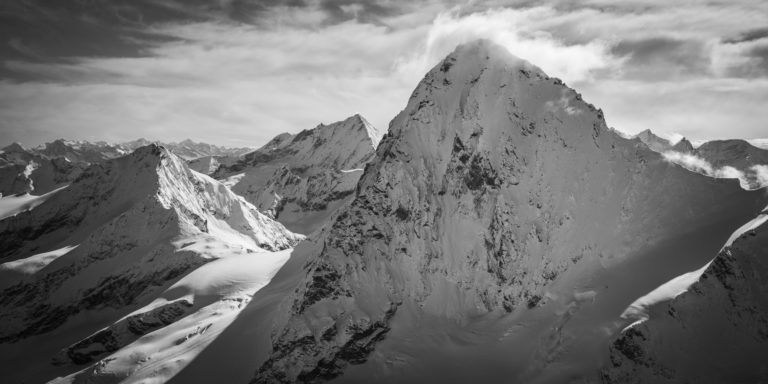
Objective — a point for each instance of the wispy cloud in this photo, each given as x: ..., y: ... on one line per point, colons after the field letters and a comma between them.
x: 240, y: 72
x: 761, y: 174
x: 754, y: 177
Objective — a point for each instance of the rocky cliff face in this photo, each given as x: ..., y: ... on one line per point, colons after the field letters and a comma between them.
x: 495, y: 195
x: 123, y: 232
x: 301, y: 179
x: 716, y: 332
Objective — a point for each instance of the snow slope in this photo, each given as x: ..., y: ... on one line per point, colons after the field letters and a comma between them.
x: 210, y: 298
x: 13, y: 205
x: 715, y: 332
x: 496, y: 236
x: 300, y: 180
x: 139, y: 223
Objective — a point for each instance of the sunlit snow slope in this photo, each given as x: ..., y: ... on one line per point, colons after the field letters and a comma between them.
x: 715, y: 332
x: 102, y: 263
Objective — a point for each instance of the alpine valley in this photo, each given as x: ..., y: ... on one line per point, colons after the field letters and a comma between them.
x: 499, y: 231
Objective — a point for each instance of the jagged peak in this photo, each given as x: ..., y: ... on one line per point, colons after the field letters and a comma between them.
x: 151, y: 152
x: 56, y: 143
x: 349, y: 129
x: 463, y: 67
x: 647, y: 133
x: 486, y: 49
x: 14, y: 147
x: 481, y: 54
x: 374, y: 133
x: 485, y: 73
x: 683, y: 145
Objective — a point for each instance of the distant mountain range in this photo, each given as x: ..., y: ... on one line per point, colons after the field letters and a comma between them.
x: 734, y: 158
x: 42, y: 169
x: 498, y: 232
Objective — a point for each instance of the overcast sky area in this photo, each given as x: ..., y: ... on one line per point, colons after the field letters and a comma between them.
x: 238, y: 72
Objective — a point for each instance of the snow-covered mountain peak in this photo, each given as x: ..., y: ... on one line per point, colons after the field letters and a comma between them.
x: 496, y: 194
x: 122, y: 232
x: 484, y: 75
x: 374, y: 133
x: 341, y: 145
x: 152, y: 153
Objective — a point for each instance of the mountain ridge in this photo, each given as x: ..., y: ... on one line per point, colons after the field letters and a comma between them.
x: 301, y: 179
x: 123, y: 232
x: 463, y: 220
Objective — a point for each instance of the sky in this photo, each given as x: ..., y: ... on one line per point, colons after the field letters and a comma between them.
x: 239, y: 72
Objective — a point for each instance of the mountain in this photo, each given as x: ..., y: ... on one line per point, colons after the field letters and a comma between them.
x: 715, y: 332
x: 40, y: 170
x: 733, y: 158
x: 495, y: 236
x: 760, y: 143
x: 133, y: 246
x: 24, y: 171
x: 301, y: 179
x: 683, y: 146
x: 190, y: 150
x: 653, y: 141
x: 80, y: 151
x: 206, y: 165
x: 739, y: 154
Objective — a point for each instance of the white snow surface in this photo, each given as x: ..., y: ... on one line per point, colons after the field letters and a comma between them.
x: 142, y: 223
x: 34, y: 263
x: 13, y: 205
x: 218, y: 292
x: 230, y: 181
x: 638, y: 310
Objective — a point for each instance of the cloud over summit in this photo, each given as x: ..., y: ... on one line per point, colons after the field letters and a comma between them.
x: 255, y: 69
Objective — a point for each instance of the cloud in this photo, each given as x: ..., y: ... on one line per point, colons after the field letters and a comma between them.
x: 754, y: 177
x: 517, y: 30
x: 172, y: 69
x: 761, y: 174
x: 255, y: 82
x: 679, y: 58
x: 564, y: 104
x: 750, y: 35
x: 746, y: 58
x: 699, y: 108
x: 210, y: 78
